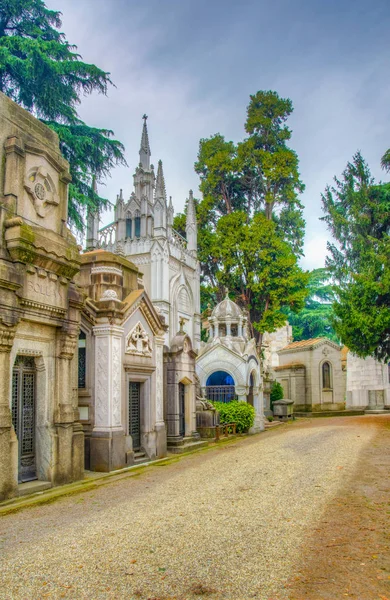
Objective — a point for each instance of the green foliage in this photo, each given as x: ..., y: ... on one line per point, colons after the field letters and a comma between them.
x: 261, y: 267
x: 250, y: 220
x: 42, y: 72
x: 316, y: 317
x: 357, y: 212
x: 241, y: 413
x: 276, y: 392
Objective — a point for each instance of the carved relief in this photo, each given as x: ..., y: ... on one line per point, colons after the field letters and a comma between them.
x: 41, y: 190
x: 6, y: 339
x: 101, y: 394
x: 138, y: 342
x: 116, y: 381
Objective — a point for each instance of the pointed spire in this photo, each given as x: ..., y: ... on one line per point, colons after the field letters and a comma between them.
x: 191, y: 214
x: 191, y: 226
x: 94, y: 184
x: 160, y: 183
x: 171, y: 212
x: 144, y: 151
x: 120, y: 197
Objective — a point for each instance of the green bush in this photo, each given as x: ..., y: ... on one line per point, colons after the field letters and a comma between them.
x: 276, y: 392
x: 241, y: 413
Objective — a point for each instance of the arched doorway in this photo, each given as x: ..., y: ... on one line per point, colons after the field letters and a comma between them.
x: 220, y: 387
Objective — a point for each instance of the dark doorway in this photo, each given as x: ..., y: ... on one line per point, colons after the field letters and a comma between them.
x: 135, y: 413
x: 250, y: 394
x: 182, y: 409
x: 23, y: 415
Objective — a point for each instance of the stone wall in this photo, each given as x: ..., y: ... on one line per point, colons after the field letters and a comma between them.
x: 368, y: 384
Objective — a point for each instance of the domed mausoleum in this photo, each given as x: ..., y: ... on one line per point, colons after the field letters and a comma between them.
x: 228, y: 365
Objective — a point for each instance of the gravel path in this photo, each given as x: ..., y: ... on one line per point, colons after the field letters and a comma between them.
x: 227, y: 523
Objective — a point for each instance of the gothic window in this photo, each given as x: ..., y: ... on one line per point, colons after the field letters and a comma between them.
x: 137, y: 227
x: 326, y: 376
x: 184, y: 301
x: 82, y: 360
x: 128, y: 228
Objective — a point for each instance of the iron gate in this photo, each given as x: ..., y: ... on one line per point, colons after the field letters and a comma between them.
x: 23, y: 415
x: 182, y: 407
x: 220, y: 393
x: 135, y: 413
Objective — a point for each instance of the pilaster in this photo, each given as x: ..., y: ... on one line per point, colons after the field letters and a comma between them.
x: 8, y: 443
x: 108, y: 440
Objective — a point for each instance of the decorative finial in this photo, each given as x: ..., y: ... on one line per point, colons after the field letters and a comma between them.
x: 145, y: 116
x: 226, y: 293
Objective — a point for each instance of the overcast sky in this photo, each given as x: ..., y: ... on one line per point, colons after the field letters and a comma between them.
x: 192, y: 64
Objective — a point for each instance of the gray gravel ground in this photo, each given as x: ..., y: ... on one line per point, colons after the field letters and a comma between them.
x: 227, y: 523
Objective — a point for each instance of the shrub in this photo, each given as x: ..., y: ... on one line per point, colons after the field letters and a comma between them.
x: 270, y: 419
x: 241, y: 413
x: 276, y: 392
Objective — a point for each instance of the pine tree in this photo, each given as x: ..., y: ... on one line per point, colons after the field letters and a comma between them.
x: 357, y: 212
x: 42, y: 72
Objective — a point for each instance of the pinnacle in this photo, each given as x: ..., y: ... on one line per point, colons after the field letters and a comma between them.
x: 160, y: 182
x: 145, y: 147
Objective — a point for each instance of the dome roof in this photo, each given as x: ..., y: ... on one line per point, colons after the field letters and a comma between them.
x: 227, y: 309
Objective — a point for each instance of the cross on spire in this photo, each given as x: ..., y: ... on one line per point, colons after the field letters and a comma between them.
x: 144, y: 152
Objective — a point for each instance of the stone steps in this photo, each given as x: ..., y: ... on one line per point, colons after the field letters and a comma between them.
x: 32, y: 487
x: 187, y: 446
x: 140, y: 458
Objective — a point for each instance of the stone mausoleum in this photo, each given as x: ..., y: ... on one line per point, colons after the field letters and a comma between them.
x: 311, y: 374
x: 40, y: 306
x: 228, y: 365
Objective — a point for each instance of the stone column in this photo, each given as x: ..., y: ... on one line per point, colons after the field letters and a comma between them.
x: 239, y: 332
x: 70, y: 447
x: 228, y: 328
x: 108, y: 438
x: 8, y: 442
x: 161, y: 435
x: 241, y: 393
x: 258, y: 400
x: 216, y: 329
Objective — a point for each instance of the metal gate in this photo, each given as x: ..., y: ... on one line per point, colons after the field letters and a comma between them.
x: 221, y: 393
x: 135, y: 413
x: 182, y: 408
x: 23, y: 415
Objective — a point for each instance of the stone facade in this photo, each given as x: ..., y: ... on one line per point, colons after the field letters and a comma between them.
x: 180, y: 397
x: 368, y: 383
x: 40, y: 436
x: 311, y: 374
x: 229, y: 350
x: 120, y: 365
x: 142, y: 231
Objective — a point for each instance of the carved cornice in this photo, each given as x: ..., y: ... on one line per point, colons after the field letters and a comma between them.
x: 106, y: 269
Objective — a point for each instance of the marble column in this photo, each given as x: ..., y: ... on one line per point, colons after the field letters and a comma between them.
x: 108, y: 437
x: 8, y: 442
